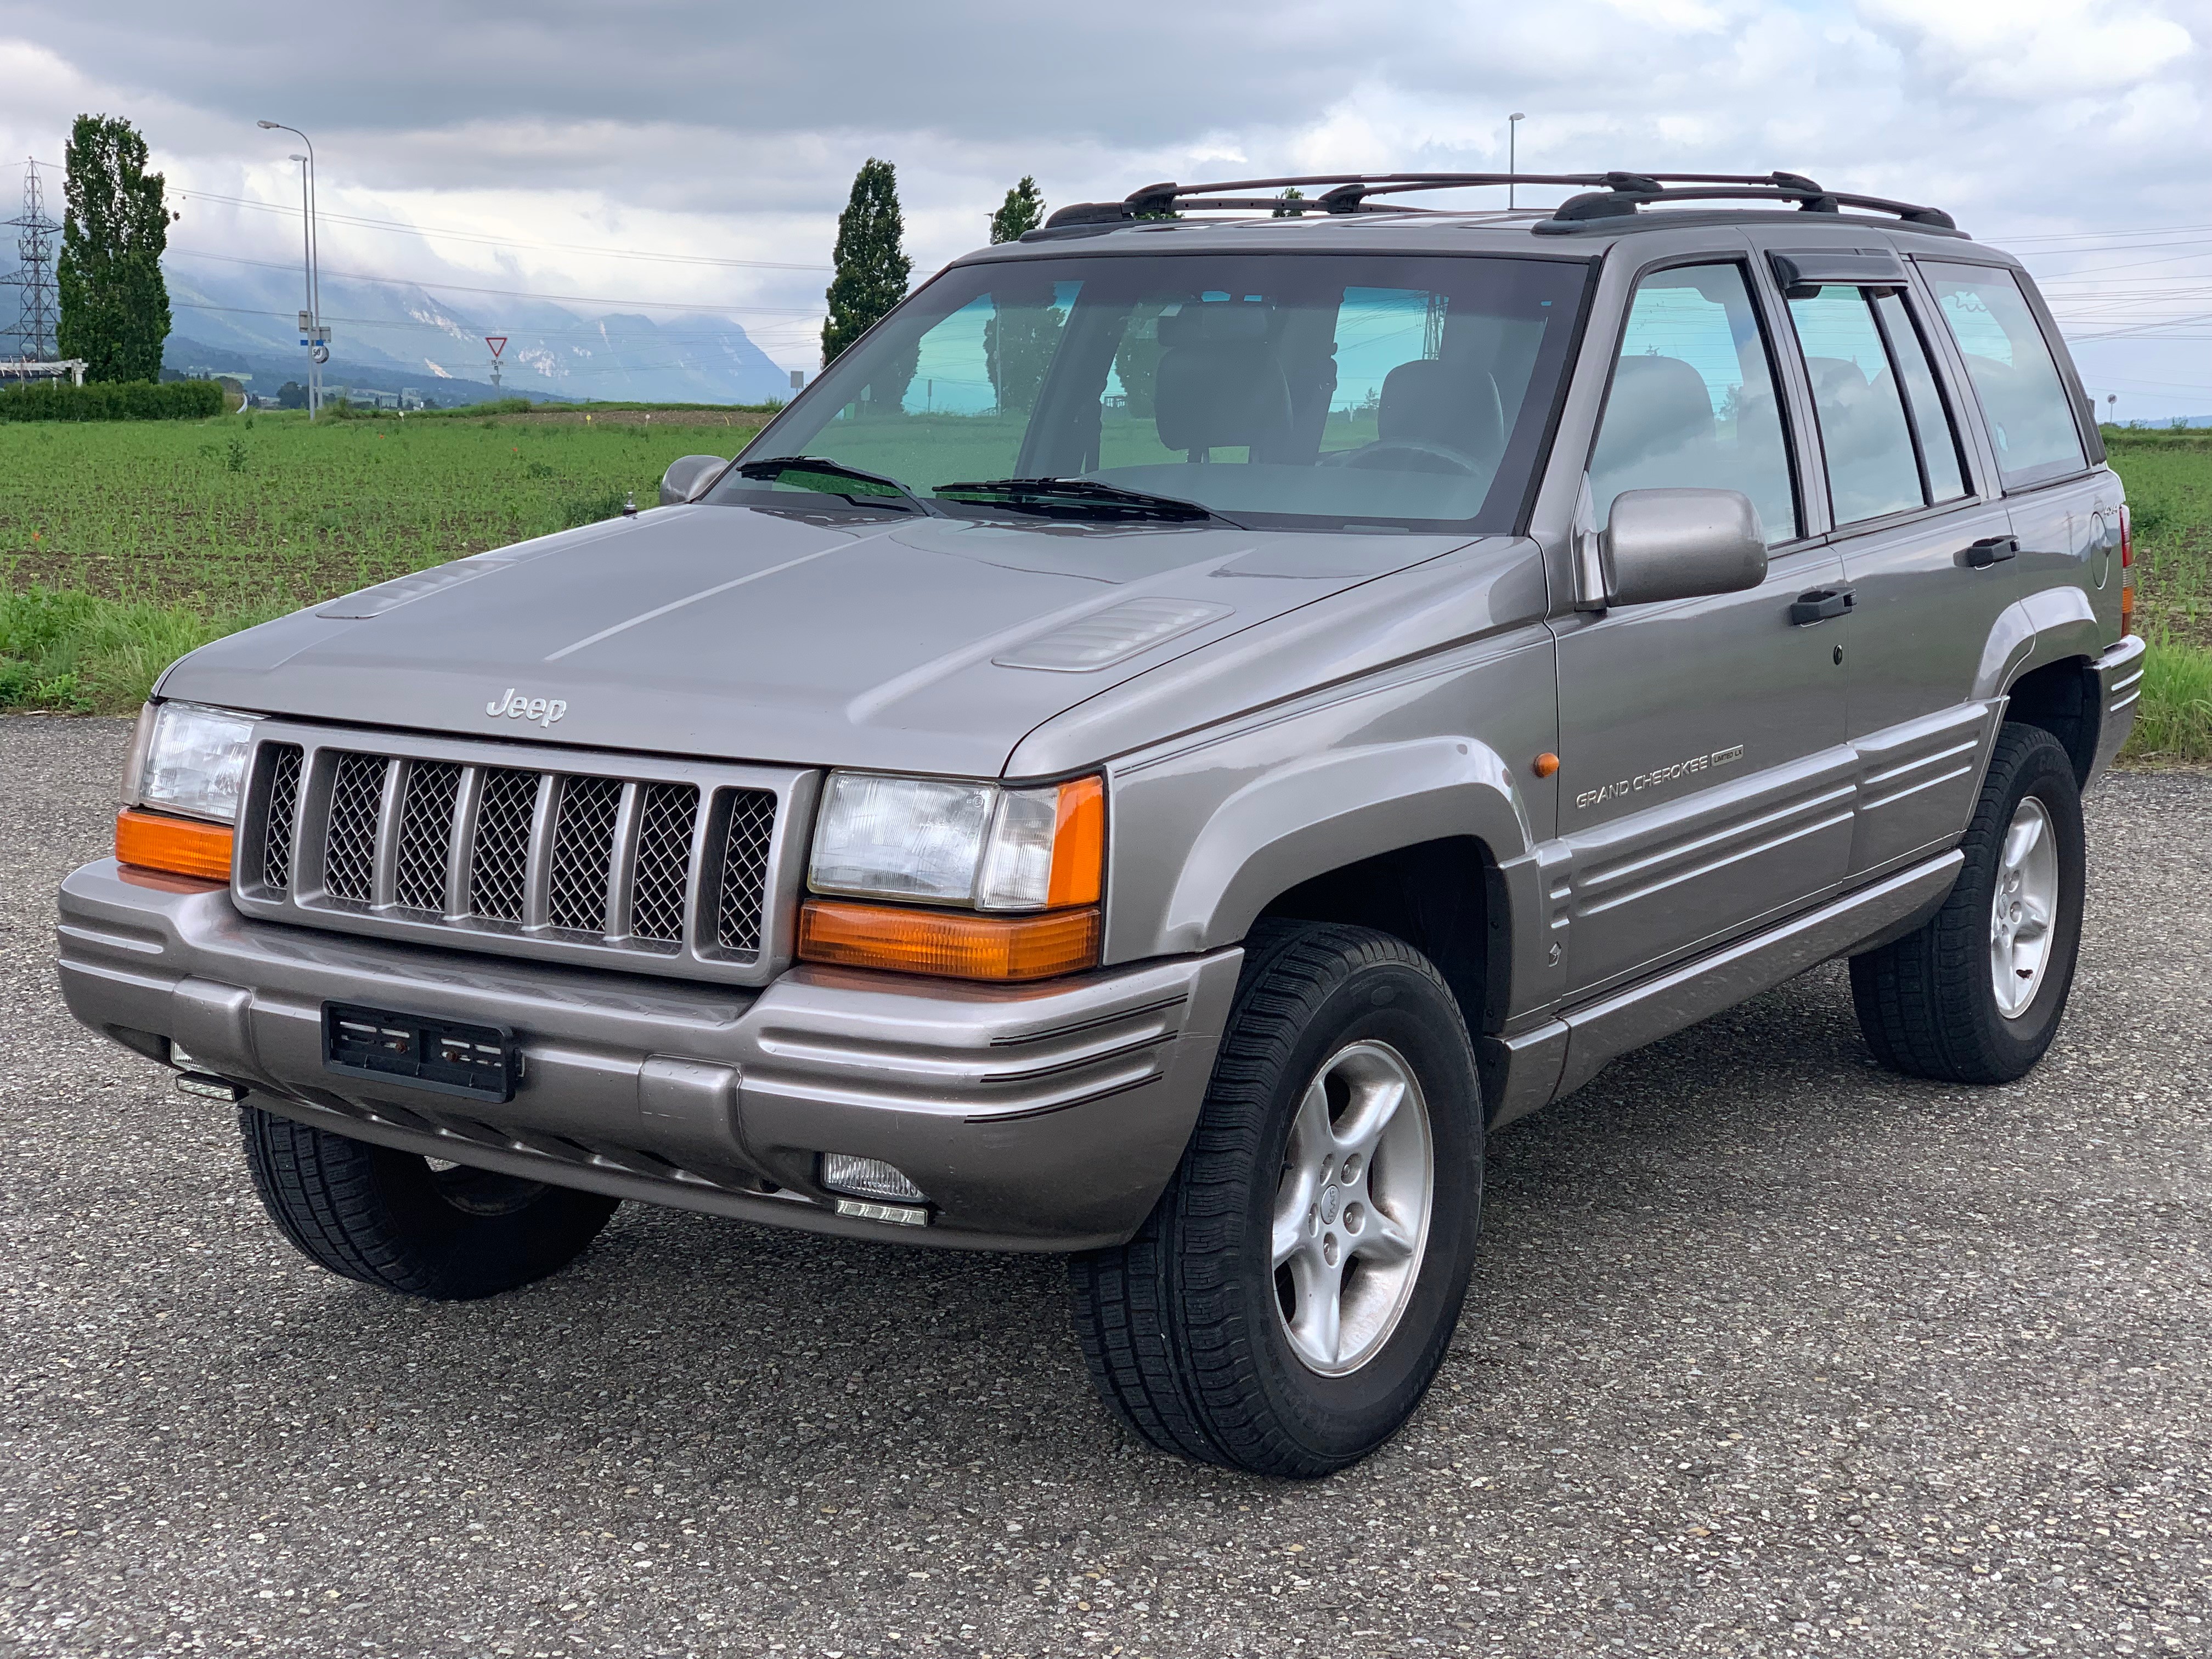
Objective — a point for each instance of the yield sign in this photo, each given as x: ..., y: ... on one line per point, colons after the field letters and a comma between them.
x: 496, y: 342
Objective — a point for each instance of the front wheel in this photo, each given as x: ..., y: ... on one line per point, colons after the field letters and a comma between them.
x: 1287, y: 1303
x: 1975, y: 995
x: 398, y: 1221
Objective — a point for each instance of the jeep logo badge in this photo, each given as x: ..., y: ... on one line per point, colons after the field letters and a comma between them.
x: 541, y: 710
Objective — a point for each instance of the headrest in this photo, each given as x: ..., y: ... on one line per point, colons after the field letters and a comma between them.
x: 1835, y: 374
x: 1431, y: 402
x: 1659, y: 404
x: 1214, y: 390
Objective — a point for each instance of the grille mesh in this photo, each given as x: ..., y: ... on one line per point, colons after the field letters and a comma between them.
x: 284, y: 807
x: 745, y: 871
x: 350, y: 848
x: 426, y: 829
x: 583, y: 853
x: 654, y: 868
x: 663, y: 861
x: 501, y: 859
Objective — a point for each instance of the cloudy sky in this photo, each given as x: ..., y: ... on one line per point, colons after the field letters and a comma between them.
x: 658, y: 156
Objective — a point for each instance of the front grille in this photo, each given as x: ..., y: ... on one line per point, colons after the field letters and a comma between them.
x: 499, y: 867
x: 663, y: 861
x: 283, y: 806
x: 426, y: 834
x: 744, y: 856
x: 541, y: 861
x: 357, y: 801
x: 583, y: 853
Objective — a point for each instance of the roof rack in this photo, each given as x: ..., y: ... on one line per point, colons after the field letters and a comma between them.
x: 1606, y: 196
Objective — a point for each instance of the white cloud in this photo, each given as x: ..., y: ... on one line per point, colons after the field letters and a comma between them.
x: 682, y: 126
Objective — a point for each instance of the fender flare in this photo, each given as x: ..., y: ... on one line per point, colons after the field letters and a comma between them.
x: 1319, y: 813
x: 2044, y: 627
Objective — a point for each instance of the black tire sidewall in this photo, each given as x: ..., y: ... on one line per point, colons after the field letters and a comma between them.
x: 1338, y: 1419
x: 2039, y: 768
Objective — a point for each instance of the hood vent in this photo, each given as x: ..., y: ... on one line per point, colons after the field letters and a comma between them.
x: 1114, y: 635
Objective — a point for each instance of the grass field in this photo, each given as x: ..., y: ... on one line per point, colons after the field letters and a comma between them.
x: 124, y: 544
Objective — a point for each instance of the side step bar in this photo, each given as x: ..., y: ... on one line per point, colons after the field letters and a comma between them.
x: 1528, y: 1071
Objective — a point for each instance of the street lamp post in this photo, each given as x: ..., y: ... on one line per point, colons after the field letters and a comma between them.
x: 1512, y: 152
x: 316, y: 348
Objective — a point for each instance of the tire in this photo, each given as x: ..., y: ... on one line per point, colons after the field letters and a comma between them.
x: 1194, y: 1336
x: 1929, y: 1003
x: 389, y: 1218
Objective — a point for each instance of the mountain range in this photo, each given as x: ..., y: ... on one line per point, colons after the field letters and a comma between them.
x: 387, y: 336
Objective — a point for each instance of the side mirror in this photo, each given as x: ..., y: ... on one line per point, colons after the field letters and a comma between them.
x: 685, y: 475
x: 1680, y: 544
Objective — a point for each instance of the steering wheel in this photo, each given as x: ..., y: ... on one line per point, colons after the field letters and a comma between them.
x: 1381, y: 455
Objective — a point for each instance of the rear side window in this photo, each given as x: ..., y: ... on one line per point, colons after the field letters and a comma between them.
x: 1885, y: 432
x: 1692, y: 403
x: 2023, y: 395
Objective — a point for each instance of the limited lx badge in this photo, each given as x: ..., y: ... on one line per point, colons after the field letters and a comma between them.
x: 542, y: 711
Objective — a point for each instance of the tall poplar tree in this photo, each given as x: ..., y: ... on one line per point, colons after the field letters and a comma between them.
x: 1022, y: 210
x: 114, y: 305
x: 872, y: 267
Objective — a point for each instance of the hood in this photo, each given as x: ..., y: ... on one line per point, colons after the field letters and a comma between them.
x: 737, y: 633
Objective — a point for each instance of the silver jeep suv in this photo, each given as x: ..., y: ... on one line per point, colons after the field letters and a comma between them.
x: 1198, y: 717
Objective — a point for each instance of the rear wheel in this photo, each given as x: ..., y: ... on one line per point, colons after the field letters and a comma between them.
x: 409, y: 1224
x: 1975, y: 995
x: 1285, y: 1305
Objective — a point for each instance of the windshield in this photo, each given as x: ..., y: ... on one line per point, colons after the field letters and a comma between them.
x: 1275, y: 390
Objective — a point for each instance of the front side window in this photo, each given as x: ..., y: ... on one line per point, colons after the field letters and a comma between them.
x: 1691, y: 404
x: 2023, y: 396
x: 1292, y: 391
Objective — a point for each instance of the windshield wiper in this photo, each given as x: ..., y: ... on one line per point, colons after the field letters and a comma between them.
x: 1085, y: 498
x: 887, y: 491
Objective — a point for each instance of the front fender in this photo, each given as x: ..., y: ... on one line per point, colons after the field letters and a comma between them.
x: 1315, y: 814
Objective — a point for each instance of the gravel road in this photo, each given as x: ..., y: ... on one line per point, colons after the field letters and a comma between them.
x: 1768, y: 1353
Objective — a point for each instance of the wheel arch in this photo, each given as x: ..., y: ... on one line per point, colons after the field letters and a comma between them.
x: 1422, y: 840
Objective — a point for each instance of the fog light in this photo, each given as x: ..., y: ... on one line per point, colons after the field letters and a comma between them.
x: 201, y: 1086
x: 868, y: 1177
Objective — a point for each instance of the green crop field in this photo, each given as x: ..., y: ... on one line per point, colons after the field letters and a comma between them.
x: 124, y: 544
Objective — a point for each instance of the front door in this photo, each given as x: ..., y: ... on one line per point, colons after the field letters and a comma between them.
x: 1705, y: 780
x: 1931, y: 565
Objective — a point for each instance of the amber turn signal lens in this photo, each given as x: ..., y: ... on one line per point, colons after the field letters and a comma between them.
x: 183, y: 846
x: 950, y: 945
x: 1545, y: 764
x: 1078, y: 844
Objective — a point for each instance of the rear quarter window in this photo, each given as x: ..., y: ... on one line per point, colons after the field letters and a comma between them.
x: 2022, y: 393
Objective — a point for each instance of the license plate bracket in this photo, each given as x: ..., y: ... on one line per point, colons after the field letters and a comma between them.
x: 424, y: 1051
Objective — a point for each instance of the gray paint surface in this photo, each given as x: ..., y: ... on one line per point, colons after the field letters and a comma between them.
x: 1763, y: 1341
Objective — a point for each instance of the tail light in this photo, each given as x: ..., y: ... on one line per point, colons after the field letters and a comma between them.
x: 2127, y: 571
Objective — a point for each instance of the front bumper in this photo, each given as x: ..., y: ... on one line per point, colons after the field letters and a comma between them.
x: 1045, y: 1117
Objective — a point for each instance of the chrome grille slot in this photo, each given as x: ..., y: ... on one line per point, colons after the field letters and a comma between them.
x: 745, y: 870
x: 277, y: 817
x: 500, y: 863
x: 659, y: 866
x: 350, y: 844
x: 664, y: 862
x: 426, y: 834
x: 583, y: 852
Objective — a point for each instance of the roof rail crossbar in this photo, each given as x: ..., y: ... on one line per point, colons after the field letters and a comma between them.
x: 1606, y: 195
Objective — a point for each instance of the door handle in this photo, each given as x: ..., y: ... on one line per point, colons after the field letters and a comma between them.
x: 1821, y: 603
x: 1991, y: 550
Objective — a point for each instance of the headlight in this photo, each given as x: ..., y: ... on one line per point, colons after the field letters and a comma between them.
x: 193, y: 761
x: 972, y: 844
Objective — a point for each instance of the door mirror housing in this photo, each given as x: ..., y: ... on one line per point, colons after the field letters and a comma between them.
x: 685, y: 475
x: 1681, y: 544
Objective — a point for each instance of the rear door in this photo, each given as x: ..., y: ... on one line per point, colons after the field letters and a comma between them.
x: 2064, y: 508
x: 1927, y: 554
x: 1705, y: 780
